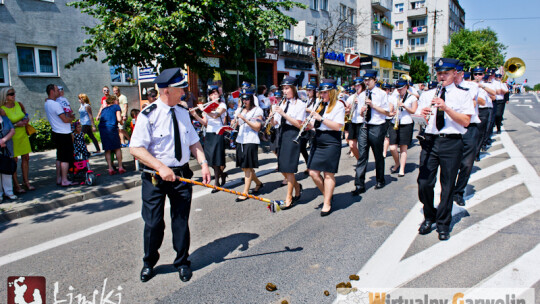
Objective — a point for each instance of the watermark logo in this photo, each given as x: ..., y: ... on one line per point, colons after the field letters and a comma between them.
x: 26, y: 290
x: 435, y: 296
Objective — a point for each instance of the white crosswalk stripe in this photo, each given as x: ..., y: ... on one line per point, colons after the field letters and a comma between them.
x: 387, y: 269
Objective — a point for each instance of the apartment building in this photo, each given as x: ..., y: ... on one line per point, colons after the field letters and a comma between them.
x: 423, y: 27
x: 378, y: 38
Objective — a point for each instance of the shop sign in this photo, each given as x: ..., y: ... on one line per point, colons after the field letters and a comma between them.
x: 298, y: 65
x: 211, y: 61
x: 352, y: 60
x: 335, y: 56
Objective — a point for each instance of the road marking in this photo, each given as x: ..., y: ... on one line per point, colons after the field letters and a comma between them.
x: 533, y: 124
x: 522, y: 272
x: 384, y: 269
x: 520, y: 105
x: 484, y: 155
x: 21, y: 254
x: 528, y: 100
x: 514, y: 100
x: 496, y: 143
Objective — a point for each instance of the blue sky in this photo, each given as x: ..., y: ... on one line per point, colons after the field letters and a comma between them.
x: 521, y: 35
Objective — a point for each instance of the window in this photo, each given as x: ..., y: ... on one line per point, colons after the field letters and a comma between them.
x: 351, y: 15
x: 399, y: 25
x: 342, y: 11
x: 287, y: 34
x: 324, y: 5
x: 39, y: 60
x: 419, y: 22
x: 399, y: 43
x: 386, y: 75
x: 314, y: 4
x: 124, y: 77
x: 418, y: 41
x: 421, y: 57
x: 385, y: 52
x: 350, y: 43
x: 4, y: 80
x: 377, y: 49
x: 399, y: 7
x: 418, y: 4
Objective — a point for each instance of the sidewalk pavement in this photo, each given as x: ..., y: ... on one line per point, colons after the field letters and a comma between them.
x: 49, y: 196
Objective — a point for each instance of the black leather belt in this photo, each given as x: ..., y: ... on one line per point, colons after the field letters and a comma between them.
x: 451, y: 136
x: 472, y: 124
x: 181, y: 170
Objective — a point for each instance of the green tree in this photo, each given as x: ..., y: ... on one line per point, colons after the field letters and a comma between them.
x: 536, y: 87
x: 476, y: 48
x: 169, y: 33
x: 419, y: 71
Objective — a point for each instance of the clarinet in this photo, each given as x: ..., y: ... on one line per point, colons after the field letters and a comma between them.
x: 421, y: 134
x: 267, y: 126
x: 368, y: 95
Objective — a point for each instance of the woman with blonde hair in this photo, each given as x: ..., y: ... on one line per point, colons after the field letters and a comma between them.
x: 87, y: 120
x: 16, y: 113
x: 326, y: 149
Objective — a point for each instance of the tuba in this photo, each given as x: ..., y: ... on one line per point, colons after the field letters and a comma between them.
x: 513, y: 68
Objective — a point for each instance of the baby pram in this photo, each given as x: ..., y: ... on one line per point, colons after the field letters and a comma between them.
x: 81, y: 172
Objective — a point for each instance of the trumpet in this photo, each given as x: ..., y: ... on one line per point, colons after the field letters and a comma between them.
x: 267, y: 125
x: 307, y: 121
x: 235, y: 125
x: 398, y: 110
x: 349, y: 116
x: 368, y: 95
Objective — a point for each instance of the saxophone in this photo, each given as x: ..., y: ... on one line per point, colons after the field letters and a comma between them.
x: 267, y: 125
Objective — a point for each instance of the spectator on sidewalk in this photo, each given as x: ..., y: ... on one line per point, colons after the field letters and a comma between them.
x: 123, y: 102
x: 16, y: 113
x: 63, y: 101
x: 87, y: 120
x: 108, y: 130
x: 6, y: 133
x: 61, y: 134
x: 106, y: 94
x: 79, y: 146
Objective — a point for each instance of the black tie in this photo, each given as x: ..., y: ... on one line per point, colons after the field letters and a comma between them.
x: 318, y: 123
x: 440, y: 114
x: 283, y: 120
x: 177, y: 144
x: 368, y: 109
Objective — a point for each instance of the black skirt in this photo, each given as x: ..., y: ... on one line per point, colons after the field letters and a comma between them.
x: 274, y: 138
x: 354, y: 131
x: 402, y: 136
x: 247, y: 156
x: 325, y: 151
x: 214, y: 149
x: 388, y: 123
x: 288, y: 151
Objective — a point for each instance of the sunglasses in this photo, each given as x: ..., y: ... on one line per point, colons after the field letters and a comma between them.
x: 478, y: 74
x: 11, y: 94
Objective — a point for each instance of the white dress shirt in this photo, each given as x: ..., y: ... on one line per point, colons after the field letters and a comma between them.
x: 337, y: 115
x: 214, y: 124
x: 404, y: 115
x: 155, y: 133
x: 296, y: 110
x: 378, y: 98
x: 246, y: 135
x: 457, y: 100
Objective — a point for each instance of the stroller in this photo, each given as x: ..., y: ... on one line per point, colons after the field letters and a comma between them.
x: 80, y: 171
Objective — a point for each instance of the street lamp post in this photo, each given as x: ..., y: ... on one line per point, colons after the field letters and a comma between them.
x: 476, y: 23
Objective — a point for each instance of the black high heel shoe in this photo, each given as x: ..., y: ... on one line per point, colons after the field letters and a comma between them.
x: 223, y: 177
x: 297, y: 198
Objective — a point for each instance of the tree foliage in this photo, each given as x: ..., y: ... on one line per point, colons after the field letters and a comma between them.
x: 476, y: 48
x: 170, y: 33
x: 419, y: 71
x: 332, y: 30
x: 536, y: 87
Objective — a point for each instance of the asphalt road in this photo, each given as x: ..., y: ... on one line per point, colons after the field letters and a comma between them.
x: 237, y: 248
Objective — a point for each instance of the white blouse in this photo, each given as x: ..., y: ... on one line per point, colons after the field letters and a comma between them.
x: 246, y: 135
x: 404, y: 115
x: 214, y: 124
x: 296, y: 110
x: 337, y: 115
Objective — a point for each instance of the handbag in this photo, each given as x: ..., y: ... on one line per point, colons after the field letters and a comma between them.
x: 30, y: 129
x: 7, y: 164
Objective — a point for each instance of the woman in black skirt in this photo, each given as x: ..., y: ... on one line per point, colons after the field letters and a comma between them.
x: 406, y: 104
x: 354, y: 101
x: 250, y: 120
x: 214, y: 144
x: 290, y: 114
x: 326, y: 150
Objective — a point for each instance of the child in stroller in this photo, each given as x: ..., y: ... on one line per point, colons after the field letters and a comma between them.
x: 80, y: 171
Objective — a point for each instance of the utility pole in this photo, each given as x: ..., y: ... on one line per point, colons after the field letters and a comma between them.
x: 433, y: 41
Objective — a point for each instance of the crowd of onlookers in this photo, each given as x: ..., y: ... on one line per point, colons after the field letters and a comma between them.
x: 67, y: 134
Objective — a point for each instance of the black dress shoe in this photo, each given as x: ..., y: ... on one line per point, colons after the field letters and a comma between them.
x: 214, y: 190
x: 359, y: 190
x: 241, y: 199
x: 285, y: 207
x: 297, y: 198
x: 146, y: 273
x: 444, y: 235
x: 425, y: 228
x: 380, y: 185
x: 185, y: 273
x: 326, y: 213
x: 459, y: 200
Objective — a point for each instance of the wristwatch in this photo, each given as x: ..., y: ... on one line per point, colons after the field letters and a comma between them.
x: 203, y: 162
x: 322, y: 119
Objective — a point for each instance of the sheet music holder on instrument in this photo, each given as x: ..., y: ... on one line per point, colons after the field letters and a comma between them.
x: 419, y: 119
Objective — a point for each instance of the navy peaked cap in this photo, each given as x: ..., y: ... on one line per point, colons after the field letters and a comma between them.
x: 446, y: 64
x: 171, y: 78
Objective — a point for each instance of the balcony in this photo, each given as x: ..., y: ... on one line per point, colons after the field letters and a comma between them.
x: 417, y: 12
x: 417, y: 30
x: 380, y: 31
x: 382, y: 5
x: 421, y: 48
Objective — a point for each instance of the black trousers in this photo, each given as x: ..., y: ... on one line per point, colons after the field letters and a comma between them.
x: 491, y: 121
x: 372, y: 137
x: 153, y: 206
x: 499, y: 114
x: 446, y: 154
x: 470, y: 144
x: 483, y: 114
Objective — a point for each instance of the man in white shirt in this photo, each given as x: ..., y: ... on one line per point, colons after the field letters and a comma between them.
x: 123, y: 103
x: 442, y: 148
x: 61, y: 134
x: 372, y: 134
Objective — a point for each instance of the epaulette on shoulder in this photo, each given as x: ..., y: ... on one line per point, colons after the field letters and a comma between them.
x: 149, y: 109
x: 464, y: 89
